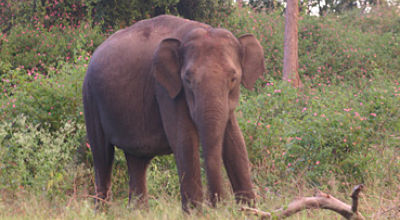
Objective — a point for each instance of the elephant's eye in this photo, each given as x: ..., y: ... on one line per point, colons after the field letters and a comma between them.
x: 186, y: 80
x: 233, y: 82
x: 232, y: 74
x: 187, y: 77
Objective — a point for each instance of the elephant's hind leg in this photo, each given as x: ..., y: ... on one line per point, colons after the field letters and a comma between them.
x: 137, y: 167
x: 103, y: 157
x: 102, y: 149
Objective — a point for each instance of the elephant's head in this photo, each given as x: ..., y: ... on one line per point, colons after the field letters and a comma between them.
x: 208, y: 66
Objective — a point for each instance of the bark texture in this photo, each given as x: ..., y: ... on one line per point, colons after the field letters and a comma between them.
x: 290, y: 54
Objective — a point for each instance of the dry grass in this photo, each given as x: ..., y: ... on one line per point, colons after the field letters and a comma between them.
x: 375, y: 203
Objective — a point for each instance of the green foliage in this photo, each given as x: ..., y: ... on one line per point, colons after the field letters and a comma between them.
x: 323, y: 131
x: 46, y: 100
x: 38, y: 49
x: 320, y: 7
x: 124, y: 12
x: 332, y: 48
x: 267, y: 5
x: 110, y: 14
x: 31, y: 157
x: 48, y: 12
x: 5, y: 16
x: 204, y: 10
x: 336, y: 50
x: 378, y: 21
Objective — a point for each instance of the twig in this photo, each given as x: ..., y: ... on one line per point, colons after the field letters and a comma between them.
x: 390, y: 209
x: 354, y: 196
x: 98, y: 198
x: 74, y: 194
x: 90, y: 196
x: 259, y: 213
x: 319, y: 201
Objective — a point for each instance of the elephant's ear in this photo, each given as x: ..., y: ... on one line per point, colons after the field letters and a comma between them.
x: 167, y: 65
x: 252, y: 60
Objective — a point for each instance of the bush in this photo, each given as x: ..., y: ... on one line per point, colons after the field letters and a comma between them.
x: 325, y: 130
x: 110, y: 14
x: 336, y: 50
x: 39, y: 50
x: 123, y: 13
x: 204, y: 10
x: 45, y: 100
x: 332, y: 49
x: 49, y: 12
x: 34, y: 159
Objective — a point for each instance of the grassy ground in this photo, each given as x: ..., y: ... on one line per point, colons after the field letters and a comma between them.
x: 375, y: 203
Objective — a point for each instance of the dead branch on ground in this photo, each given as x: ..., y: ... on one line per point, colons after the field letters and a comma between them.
x: 319, y: 201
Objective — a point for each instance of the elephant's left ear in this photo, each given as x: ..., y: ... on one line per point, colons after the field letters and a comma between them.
x: 252, y: 60
x: 166, y: 66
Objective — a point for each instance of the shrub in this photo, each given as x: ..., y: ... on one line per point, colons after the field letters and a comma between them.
x: 45, y: 100
x: 33, y: 158
x: 332, y: 49
x: 323, y: 131
x: 110, y: 14
x: 335, y: 50
x: 38, y: 50
x: 49, y: 12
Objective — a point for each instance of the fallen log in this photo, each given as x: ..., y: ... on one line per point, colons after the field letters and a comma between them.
x: 319, y: 201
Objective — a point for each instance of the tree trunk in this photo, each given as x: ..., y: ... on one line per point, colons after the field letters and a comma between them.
x: 290, y: 54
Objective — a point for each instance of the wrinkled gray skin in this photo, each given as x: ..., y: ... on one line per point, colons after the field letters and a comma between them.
x: 163, y: 86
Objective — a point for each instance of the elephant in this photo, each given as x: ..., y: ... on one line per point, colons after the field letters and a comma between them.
x: 170, y: 85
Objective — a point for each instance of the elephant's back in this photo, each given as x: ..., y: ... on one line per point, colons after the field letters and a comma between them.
x: 123, y: 62
x: 133, y: 47
x: 121, y: 86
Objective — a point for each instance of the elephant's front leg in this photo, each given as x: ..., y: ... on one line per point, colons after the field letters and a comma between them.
x: 184, y: 142
x: 186, y: 153
x: 212, y: 150
x: 237, y: 163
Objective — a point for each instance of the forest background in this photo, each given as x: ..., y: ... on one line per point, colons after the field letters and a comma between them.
x: 341, y: 129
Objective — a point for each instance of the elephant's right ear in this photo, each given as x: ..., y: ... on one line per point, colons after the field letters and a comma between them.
x: 166, y: 66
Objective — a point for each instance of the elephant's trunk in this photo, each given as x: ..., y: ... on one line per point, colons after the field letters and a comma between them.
x: 212, y: 113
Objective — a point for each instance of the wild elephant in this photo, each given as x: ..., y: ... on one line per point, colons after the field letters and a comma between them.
x: 165, y: 85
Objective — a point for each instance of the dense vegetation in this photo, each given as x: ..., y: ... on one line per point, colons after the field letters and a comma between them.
x: 341, y: 129
x: 104, y: 12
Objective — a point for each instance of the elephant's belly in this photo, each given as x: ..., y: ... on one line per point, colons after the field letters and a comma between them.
x: 137, y: 134
x: 148, y: 145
